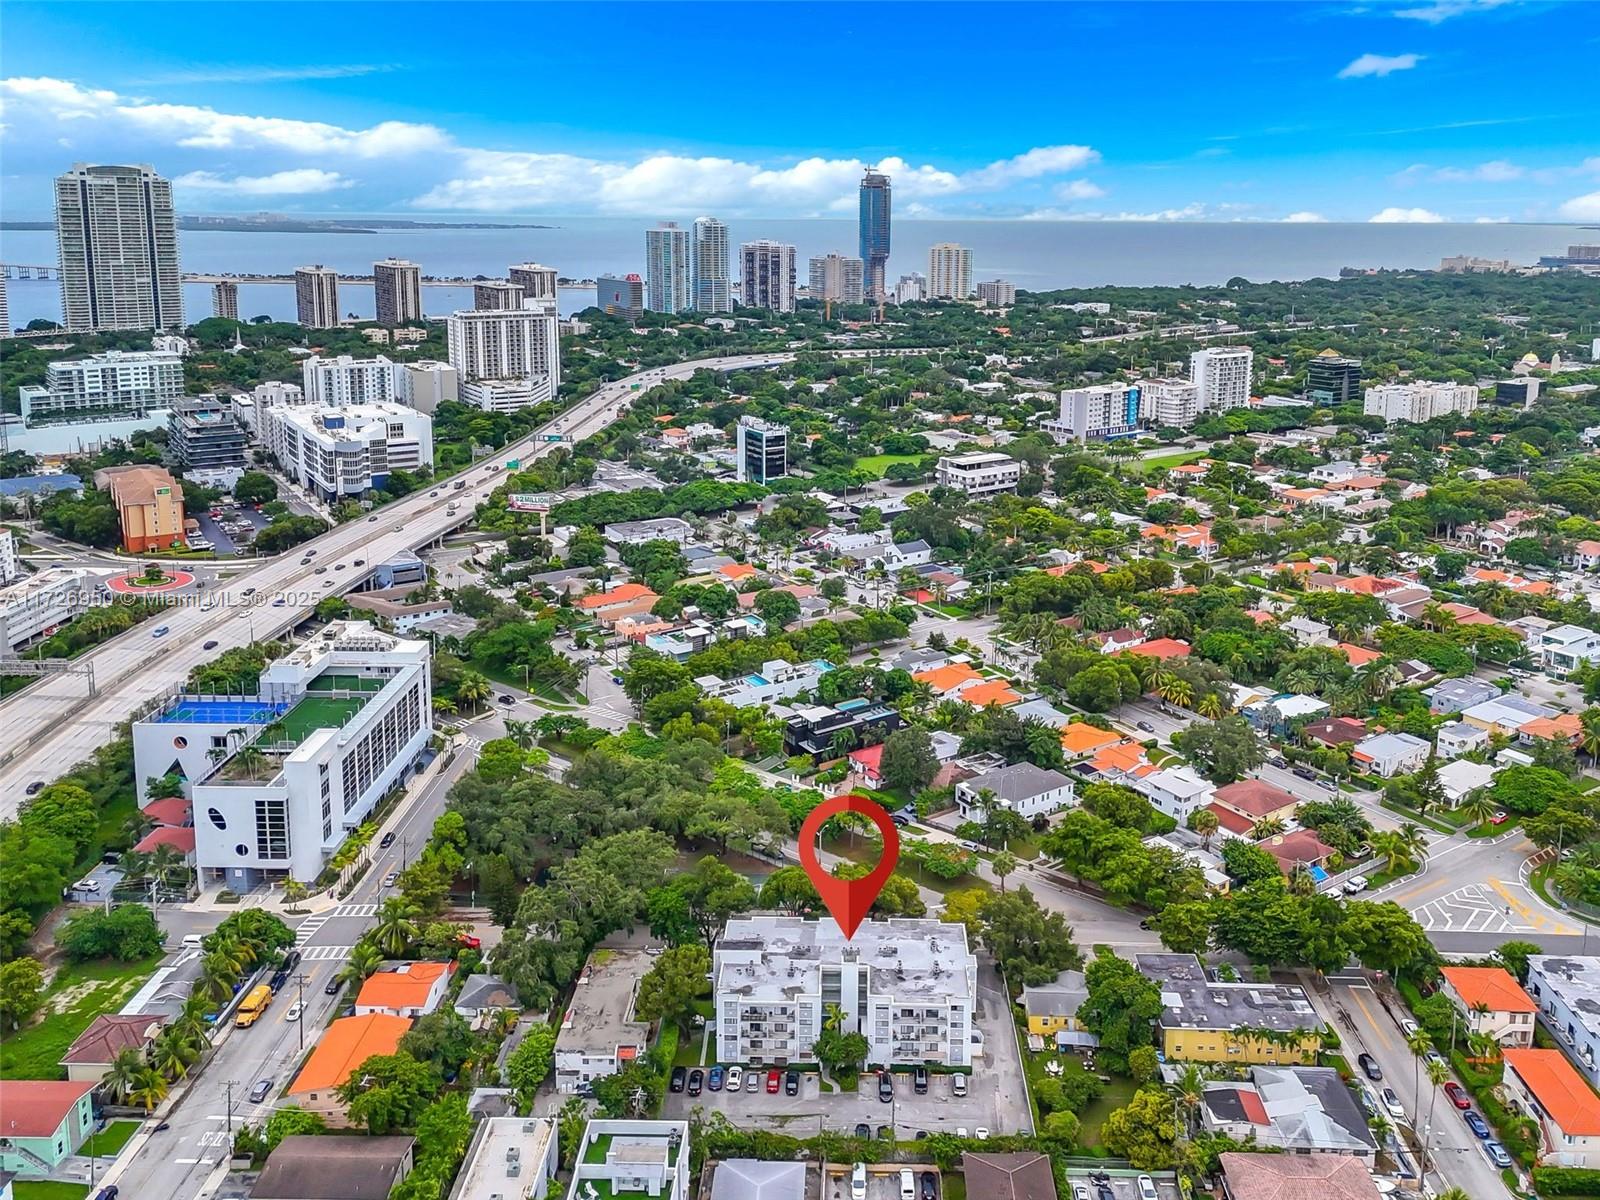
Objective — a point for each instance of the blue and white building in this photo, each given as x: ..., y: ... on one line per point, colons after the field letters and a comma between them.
x: 1097, y: 414
x: 1567, y: 990
x: 345, y: 451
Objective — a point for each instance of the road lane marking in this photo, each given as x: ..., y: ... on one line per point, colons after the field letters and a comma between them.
x: 1544, y: 923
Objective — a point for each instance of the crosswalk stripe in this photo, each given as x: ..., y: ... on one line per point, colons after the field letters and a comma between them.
x: 355, y: 910
x: 307, y: 929
x: 326, y: 953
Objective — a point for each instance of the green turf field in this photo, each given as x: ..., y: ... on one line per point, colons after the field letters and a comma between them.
x: 318, y: 712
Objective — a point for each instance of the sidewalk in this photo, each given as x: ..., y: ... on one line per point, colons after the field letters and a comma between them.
x: 328, y: 900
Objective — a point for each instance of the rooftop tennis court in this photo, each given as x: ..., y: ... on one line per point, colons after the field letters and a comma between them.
x: 220, y: 712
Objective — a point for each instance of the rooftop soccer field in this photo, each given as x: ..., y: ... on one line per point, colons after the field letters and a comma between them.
x: 318, y: 712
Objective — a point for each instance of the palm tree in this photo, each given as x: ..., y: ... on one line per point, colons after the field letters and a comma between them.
x: 149, y: 1089
x: 171, y: 1055
x: 123, y: 1075
x: 365, y: 958
x: 473, y: 689
x: 294, y: 891
x: 1438, y: 1073
x: 1302, y: 882
x: 1211, y: 706
x: 1391, y: 847
x: 1419, y: 1043
x: 1206, y: 824
x: 1412, y: 837
x: 1002, y: 865
x: 1188, y: 1091
x: 1589, y: 736
x: 1266, y: 827
x: 247, y: 762
x: 522, y: 733
x: 1178, y: 691
x: 443, y: 705
x: 1479, y: 806
x: 396, y: 926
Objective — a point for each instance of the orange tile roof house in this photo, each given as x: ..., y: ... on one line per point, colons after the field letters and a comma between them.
x: 1081, y: 738
x: 344, y: 1046
x: 1509, y: 1011
x: 149, y: 506
x: 990, y: 691
x: 947, y: 679
x: 1546, y: 1087
x: 1256, y: 799
x: 623, y: 593
x: 411, y: 989
x: 1161, y: 648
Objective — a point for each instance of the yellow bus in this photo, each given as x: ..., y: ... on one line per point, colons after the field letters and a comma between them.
x: 253, y: 1005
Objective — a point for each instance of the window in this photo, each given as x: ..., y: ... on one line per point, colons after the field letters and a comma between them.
x: 217, y: 819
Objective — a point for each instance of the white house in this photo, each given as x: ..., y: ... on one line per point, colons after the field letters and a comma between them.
x: 648, y: 1158
x: 1461, y: 778
x: 1176, y: 791
x: 1458, y: 738
x: 1389, y: 754
x: 1567, y: 647
x: 982, y: 473
x: 1025, y: 789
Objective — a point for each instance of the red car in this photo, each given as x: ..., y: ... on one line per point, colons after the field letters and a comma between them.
x: 1458, y: 1095
x: 774, y: 1082
x: 471, y: 941
x: 1500, y: 818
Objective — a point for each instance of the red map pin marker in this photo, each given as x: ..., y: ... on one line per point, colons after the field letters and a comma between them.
x: 849, y: 899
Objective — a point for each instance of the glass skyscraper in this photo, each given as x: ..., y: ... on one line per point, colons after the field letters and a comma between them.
x: 874, y: 232
x: 712, y: 292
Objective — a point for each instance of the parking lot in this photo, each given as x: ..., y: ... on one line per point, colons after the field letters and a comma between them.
x: 883, y: 1180
x: 223, y: 542
x: 996, y: 1099
x: 1122, y: 1185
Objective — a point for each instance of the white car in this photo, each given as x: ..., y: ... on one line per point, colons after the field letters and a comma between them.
x: 293, y: 1014
x: 981, y: 1134
x: 1356, y: 883
x: 858, y: 1182
x: 388, y: 880
x: 735, y: 1078
x: 1147, y: 1188
x: 86, y: 885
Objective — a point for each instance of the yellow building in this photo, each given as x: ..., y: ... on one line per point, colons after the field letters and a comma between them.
x: 1053, y: 1008
x: 149, y: 506
x: 1206, y: 1021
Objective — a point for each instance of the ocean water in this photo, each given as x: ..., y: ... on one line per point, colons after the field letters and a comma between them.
x: 1032, y: 254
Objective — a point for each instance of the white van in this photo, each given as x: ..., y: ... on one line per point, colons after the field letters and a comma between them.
x: 192, y: 941
x: 908, y: 1184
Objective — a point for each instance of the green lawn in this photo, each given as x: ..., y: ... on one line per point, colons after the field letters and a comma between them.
x: 111, y: 1139
x: 876, y: 464
x: 76, y: 996
x: 1138, y: 466
x: 47, y: 1189
x: 1117, y: 1093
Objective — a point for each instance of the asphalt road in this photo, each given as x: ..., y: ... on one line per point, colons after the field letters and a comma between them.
x: 1355, y: 1008
x: 51, y: 726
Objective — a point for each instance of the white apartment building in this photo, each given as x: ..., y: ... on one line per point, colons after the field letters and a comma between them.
x: 713, y: 287
x: 1096, y: 413
x: 666, y: 268
x: 397, y: 291
x: 838, y: 278
x: 1169, y: 402
x: 997, y: 291
x: 1221, y: 377
x: 496, y: 295
x: 117, y: 241
x: 1567, y: 647
x: 316, y: 297
x: 907, y: 985
x: 949, y: 272
x: 506, y: 360
x: 515, y: 1156
x: 345, y: 452
x: 767, y: 275
x: 777, y: 680
x: 333, y: 726
x: 247, y: 409
x: 981, y: 473
x: 337, y: 382
x: 1418, y: 402
x: 426, y: 384
x: 910, y: 288
x: 35, y: 606
x: 10, y: 564
x: 599, y: 1033
x: 537, y: 281
x: 225, y: 300
x: 111, y: 385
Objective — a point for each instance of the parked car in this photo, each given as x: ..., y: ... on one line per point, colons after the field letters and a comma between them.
x: 981, y: 1134
x: 1479, y: 1127
x: 261, y: 1091
x: 1500, y: 818
x: 752, y: 1080
x: 735, y: 1078
x: 1304, y: 772
x: 697, y: 1081
x: 774, y: 1082
x: 1370, y: 1068
x: 86, y: 885
x: 1392, y: 1103
x: 714, y: 1079
x: 1080, y: 1191
x: 908, y: 1184
x: 1278, y: 762
x: 858, y: 1182
x: 1147, y: 1188
x: 1356, y: 883
x: 863, y: 1130
x: 1497, y: 1154
x: 1457, y: 1095
x: 1433, y: 1056
x: 885, y: 1086
x: 1408, y: 1026
x: 791, y: 1083
x: 958, y: 1085
x: 930, y: 1186
x: 680, y: 1078
x: 919, y: 1080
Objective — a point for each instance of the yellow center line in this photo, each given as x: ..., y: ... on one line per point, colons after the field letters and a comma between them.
x: 1521, y: 908
x: 1377, y: 1027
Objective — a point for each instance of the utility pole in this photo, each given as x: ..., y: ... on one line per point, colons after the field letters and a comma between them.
x: 300, y: 1001
x: 228, y: 1111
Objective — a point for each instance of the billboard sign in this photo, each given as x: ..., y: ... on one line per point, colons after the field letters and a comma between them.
x: 530, y: 501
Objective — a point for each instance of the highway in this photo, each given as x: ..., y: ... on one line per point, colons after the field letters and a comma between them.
x: 53, y: 725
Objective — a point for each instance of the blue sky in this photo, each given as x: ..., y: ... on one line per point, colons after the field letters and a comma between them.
x: 1421, y: 110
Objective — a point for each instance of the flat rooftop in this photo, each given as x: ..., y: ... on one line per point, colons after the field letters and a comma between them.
x: 503, y: 1141
x: 1189, y: 1000
x: 1576, y: 979
x: 600, y: 1017
x: 772, y: 957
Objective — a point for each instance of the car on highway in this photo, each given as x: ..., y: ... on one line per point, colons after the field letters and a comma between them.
x: 697, y: 1081
x: 279, y: 602
x: 1479, y: 1127
x: 358, y: 562
x: 161, y: 631
x: 774, y: 1082
x: 320, y: 570
x: 293, y: 1014
x: 338, y: 566
x: 1370, y: 1068
x: 370, y: 520
x: 1497, y: 1154
x: 1457, y: 1095
x: 34, y: 788
x: 211, y: 645
x: 735, y: 1078
x: 398, y: 528
x: 248, y: 592
x: 680, y: 1078
x: 388, y: 880
x: 1392, y: 1103
x: 261, y: 1091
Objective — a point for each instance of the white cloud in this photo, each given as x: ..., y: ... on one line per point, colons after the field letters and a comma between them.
x: 259, y: 74
x: 1379, y: 65
x: 302, y: 182
x: 1498, y: 171
x: 1304, y: 218
x: 1042, y: 160
x: 1443, y: 10
x: 1582, y: 208
x: 1491, y: 220
x: 1189, y: 212
x: 1405, y: 216
x: 1079, y: 189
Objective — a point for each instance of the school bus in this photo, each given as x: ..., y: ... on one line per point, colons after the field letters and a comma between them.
x: 253, y: 1005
